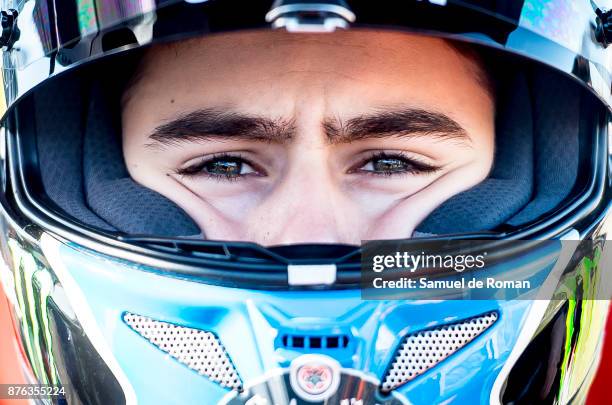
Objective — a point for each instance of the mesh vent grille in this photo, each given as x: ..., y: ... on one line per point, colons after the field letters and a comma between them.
x: 422, y: 350
x: 197, y: 349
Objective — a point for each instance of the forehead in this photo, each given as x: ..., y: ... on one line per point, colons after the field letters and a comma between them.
x: 357, y: 68
x: 305, y: 50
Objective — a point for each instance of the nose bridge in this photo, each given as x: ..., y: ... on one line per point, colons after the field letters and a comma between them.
x: 307, y: 203
x: 311, y: 203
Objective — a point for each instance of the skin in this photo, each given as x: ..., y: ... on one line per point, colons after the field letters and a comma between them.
x: 307, y: 185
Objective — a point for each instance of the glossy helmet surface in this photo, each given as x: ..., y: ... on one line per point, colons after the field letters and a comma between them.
x: 103, y: 274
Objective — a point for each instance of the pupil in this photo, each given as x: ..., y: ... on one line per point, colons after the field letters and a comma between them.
x: 224, y: 167
x: 389, y: 165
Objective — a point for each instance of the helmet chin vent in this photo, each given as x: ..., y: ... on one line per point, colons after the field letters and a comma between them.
x: 424, y: 349
x: 315, y: 342
x: 199, y: 350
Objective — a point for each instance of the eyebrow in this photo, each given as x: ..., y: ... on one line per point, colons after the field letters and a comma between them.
x: 215, y: 124
x: 406, y: 122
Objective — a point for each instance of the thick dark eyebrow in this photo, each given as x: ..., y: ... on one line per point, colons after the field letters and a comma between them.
x: 215, y: 124
x: 406, y: 122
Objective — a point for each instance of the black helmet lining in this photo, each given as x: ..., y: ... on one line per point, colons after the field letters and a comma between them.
x: 82, y: 167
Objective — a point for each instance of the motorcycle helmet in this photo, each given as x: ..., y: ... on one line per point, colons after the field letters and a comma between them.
x: 117, y: 294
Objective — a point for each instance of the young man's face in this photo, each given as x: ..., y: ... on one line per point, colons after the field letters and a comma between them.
x: 284, y: 138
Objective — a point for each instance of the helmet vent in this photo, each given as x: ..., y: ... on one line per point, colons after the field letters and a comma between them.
x: 199, y: 350
x: 315, y: 342
x: 422, y: 350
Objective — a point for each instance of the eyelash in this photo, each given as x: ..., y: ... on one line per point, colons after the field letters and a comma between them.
x: 197, y: 169
x: 415, y: 166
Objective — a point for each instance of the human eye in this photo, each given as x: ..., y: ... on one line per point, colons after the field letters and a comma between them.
x: 393, y: 163
x: 220, y: 167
